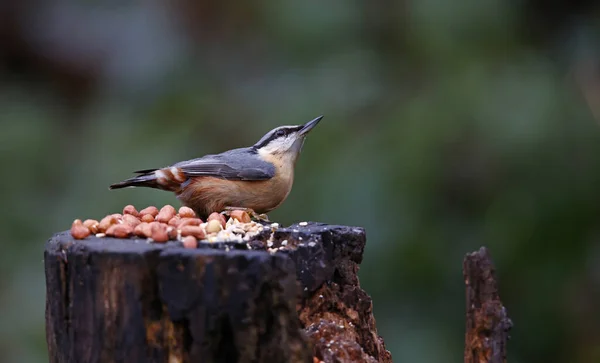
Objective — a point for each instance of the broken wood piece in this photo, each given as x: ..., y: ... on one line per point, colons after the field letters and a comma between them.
x: 487, y: 322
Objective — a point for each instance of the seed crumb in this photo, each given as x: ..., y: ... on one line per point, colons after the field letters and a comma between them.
x: 303, y: 224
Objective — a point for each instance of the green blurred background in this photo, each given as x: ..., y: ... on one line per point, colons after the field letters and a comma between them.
x: 448, y: 125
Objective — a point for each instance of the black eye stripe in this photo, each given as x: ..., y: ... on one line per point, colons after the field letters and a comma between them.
x: 274, y: 134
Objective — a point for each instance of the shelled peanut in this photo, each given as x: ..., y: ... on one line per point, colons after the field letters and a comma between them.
x: 168, y: 224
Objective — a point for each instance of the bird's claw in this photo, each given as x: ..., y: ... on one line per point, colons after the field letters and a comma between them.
x: 253, y: 215
x: 263, y: 218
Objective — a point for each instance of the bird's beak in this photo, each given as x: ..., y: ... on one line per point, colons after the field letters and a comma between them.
x: 310, y: 125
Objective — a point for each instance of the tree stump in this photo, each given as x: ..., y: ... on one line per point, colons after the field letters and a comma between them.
x: 289, y: 295
x: 487, y: 323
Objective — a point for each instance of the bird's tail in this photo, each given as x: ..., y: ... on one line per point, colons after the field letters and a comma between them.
x: 146, y: 179
x: 166, y: 179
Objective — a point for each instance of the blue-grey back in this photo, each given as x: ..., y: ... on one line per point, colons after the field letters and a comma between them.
x: 236, y: 164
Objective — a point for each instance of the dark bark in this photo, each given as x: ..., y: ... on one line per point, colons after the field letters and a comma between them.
x: 487, y: 322
x: 114, y: 300
x: 129, y: 301
x: 336, y: 313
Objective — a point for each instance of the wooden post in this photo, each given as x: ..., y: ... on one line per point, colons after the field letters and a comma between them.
x: 487, y: 324
x: 290, y: 295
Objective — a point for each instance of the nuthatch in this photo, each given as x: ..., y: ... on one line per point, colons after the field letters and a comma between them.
x: 257, y: 178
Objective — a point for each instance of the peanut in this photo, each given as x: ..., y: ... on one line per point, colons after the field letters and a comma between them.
x: 166, y: 213
x: 120, y: 230
x: 147, y: 218
x: 241, y: 216
x: 106, y: 222
x: 186, y: 212
x: 129, y: 209
x: 213, y: 226
x: 143, y: 230
x: 189, y: 222
x: 78, y: 230
x: 159, y: 232
x: 92, y: 225
x: 131, y: 220
x: 190, y: 242
x: 174, y: 222
x: 195, y: 231
x: 152, y: 210
x: 219, y: 217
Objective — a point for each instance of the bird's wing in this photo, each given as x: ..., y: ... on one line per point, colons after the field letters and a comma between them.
x: 238, y: 164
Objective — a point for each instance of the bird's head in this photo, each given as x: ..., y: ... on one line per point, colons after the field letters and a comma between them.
x: 285, y: 140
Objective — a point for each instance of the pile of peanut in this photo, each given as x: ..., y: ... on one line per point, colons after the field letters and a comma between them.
x: 167, y: 224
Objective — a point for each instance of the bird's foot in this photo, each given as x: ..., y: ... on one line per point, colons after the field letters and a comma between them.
x: 253, y: 215
x: 263, y: 218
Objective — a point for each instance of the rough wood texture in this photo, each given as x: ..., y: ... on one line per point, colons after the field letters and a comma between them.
x: 487, y: 325
x: 336, y: 313
x: 129, y: 301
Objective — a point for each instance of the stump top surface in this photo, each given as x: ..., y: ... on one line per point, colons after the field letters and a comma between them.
x: 313, y: 247
x: 297, y: 236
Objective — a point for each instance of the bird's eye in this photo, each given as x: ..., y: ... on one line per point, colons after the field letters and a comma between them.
x: 280, y: 133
